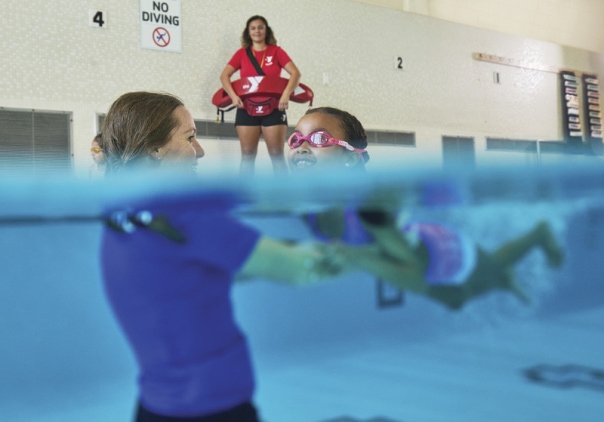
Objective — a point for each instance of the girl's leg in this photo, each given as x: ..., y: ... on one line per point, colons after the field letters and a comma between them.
x: 540, y: 236
x: 249, y: 136
x: 453, y: 297
x: 274, y: 136
x: 488, y: 275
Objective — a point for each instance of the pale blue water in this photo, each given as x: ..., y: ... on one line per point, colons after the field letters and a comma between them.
x: 327, y: 352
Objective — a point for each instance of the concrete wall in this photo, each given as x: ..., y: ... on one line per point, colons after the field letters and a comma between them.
x: 576, y: 23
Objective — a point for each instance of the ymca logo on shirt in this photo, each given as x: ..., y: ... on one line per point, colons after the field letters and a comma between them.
x: 268, y: 61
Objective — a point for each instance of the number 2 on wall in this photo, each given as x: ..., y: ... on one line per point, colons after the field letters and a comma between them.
x: 97, y: 18
x: 398, y: 63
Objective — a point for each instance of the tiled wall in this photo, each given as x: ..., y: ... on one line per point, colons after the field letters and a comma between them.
x: 52, y: 59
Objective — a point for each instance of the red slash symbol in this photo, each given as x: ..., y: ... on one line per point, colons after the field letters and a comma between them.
x: 161, y: 37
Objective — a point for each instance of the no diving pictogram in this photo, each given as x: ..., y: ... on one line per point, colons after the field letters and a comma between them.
x: 161, y: 37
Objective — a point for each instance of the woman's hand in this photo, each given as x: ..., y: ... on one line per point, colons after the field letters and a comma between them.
x: 283, y: 102
x: 294, y: 78
x: 225, y: 80
x: 237, y: 102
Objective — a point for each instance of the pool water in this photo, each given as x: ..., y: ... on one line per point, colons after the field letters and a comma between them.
x: 326, y: 353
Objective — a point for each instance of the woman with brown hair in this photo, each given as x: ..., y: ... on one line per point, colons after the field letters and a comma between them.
x: 169, y: 281
x: 258, y: 44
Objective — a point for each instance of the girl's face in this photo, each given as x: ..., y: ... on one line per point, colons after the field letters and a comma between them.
x: 257, y: 30
x: 306, y: 156
x: 182, y: 149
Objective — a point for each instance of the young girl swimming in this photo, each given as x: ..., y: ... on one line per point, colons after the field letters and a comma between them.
x: 436, y: 260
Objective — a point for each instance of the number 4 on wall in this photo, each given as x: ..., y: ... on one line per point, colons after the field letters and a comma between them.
x: 97, y: 18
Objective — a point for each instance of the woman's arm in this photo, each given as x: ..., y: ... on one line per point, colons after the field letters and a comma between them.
x: 294, y: 79
x: 225, y: 80
x: 293, y: 263
x: 308, y: 263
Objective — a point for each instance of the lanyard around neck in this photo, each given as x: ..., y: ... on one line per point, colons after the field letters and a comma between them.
x: 263, y: 56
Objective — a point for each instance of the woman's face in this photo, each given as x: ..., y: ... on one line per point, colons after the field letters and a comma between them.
x: 257, y: 30
x: 182, y: 148
x: 307, y: 157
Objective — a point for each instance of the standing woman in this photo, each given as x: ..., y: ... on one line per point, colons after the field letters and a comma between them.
x: 259, y: 38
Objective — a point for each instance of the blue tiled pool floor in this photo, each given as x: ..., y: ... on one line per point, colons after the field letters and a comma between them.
x: 476, y: 376
x: 473, y: 376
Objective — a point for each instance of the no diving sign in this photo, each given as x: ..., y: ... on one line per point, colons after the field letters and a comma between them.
x: 161, y: 25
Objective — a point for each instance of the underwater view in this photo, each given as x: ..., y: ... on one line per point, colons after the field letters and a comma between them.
x: 523, y: 342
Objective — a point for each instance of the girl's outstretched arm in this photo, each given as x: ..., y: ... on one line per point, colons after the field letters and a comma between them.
x: 402, y: 274
x: 383, y: 227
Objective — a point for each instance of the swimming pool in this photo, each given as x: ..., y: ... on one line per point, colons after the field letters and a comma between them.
x: 344, y: 349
